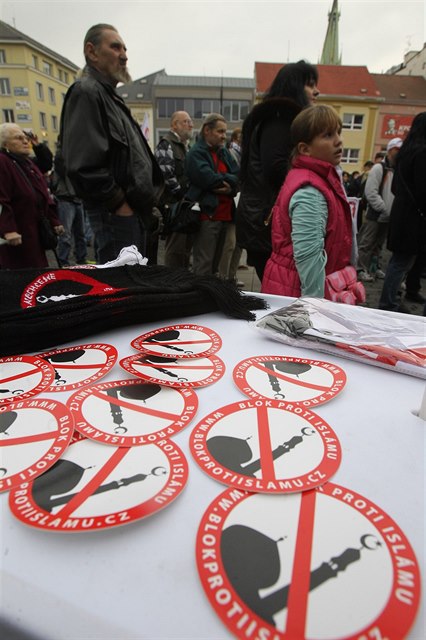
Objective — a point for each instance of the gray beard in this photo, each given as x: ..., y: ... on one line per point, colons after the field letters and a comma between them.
x: 123, y: 76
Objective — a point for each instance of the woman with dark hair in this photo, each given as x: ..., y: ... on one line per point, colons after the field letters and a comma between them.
x: 407, y: 223
x: 265, y: 156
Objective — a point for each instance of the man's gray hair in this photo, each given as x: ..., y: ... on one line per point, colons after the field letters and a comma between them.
x: 211, y: 120
x: 95, y: 33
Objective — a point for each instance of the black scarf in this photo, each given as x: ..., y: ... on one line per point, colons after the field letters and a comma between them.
x: 43, y: 308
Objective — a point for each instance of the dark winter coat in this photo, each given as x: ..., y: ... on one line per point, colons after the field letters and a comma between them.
x: 204, y: 178
x: 407, y: 227
x: 105, y: 154
x: 266, y: 149
x: 24, y: 197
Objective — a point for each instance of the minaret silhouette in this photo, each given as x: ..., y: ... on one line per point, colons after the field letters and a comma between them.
x: 330, y: 51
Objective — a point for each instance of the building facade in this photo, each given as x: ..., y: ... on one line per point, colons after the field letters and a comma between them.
x: 162, y: 95
x: 33, y: 83
x: 414, y: 64
x: 403, y: 98
x: 199, y: 96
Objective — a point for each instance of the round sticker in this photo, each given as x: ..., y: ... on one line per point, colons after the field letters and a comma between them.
x: 323, y: 564
x: 24, y: 376
x: 80, y: 366
x: 266, y: 446
x: 176, y: 372
x: 130, y: 412
x: 179, y: 341
x: 295, y: 380
x: 33, y: 435
x: 93, y: 487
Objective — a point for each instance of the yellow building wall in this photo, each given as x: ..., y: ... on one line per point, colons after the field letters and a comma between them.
x: 362, y: 139
x: 23, y: 100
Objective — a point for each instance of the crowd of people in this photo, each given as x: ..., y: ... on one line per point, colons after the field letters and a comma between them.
x: 274, y: 189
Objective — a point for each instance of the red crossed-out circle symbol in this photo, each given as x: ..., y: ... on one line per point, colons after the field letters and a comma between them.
x: 295, y: 380
x: 179, y: 341
x: 326, y: 563
x: 266, y: 446
x: 94, y: 487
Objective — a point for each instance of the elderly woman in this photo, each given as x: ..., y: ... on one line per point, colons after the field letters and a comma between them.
x: 24, y: 198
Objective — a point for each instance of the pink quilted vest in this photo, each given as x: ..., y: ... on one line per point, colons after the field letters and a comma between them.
x: 281, y: 276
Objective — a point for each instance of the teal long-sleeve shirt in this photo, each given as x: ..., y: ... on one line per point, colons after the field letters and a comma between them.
x: 308, y: 212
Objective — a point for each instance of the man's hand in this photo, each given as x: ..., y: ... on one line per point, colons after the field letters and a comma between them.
x: 124, y: 210
x: 225, y: 188
x: 59, y: 230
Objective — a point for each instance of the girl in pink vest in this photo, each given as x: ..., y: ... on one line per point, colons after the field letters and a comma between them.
x: 312, y: 231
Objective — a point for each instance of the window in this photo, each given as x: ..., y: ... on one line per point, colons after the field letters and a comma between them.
x: 235, y: 110
x: 2, y: 56
x: 43, y: 120
x: 61, y: 75
x: 199, y: 108
x: 52, y: 97
x: 4, y: 87
x: 352, y: 121
x: 202, y: 108
x: 55, y: 123
x: 47, y: 68
x: 65, y: 77
x: 39, y: 91
x: 350, y: 156
x: 35, y: 62
x: 8, y: 115
x: 167, y: 106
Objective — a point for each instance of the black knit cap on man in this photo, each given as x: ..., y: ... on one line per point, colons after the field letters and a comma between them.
x: 103, y: 151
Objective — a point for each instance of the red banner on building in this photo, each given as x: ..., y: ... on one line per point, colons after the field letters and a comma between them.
x: 395, y: 126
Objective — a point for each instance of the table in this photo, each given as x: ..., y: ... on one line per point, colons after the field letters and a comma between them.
x: 140, y: 581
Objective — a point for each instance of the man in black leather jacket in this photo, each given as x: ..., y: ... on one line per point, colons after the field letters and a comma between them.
x: 105, y: 155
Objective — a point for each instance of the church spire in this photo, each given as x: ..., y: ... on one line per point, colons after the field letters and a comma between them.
x: 330, y: 51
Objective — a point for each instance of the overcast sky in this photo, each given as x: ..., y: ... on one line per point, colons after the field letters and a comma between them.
x: 213, y: 38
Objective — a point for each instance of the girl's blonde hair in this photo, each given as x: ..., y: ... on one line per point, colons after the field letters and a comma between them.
x: 312, y: 122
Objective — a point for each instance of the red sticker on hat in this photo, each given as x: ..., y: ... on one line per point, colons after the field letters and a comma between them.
x: 179, y: 341
x: 321, y: 564
x: 129, y: 413
x: 178, y: 372
x: 33, y: 435
x: 77, y: 367
x: 94, y: 487
x: 266, y: 446
x: 295, y: 380
x: 23, y: 377
x: 60, y: 284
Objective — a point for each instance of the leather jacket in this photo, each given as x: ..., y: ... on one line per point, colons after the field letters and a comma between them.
x: 105, y: 155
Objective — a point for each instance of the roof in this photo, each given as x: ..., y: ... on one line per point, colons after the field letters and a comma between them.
x: 204, y: 81
x: 335, y: 80
x: 401, y: 89
x: 134, y: 89
x: 8, y: 33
